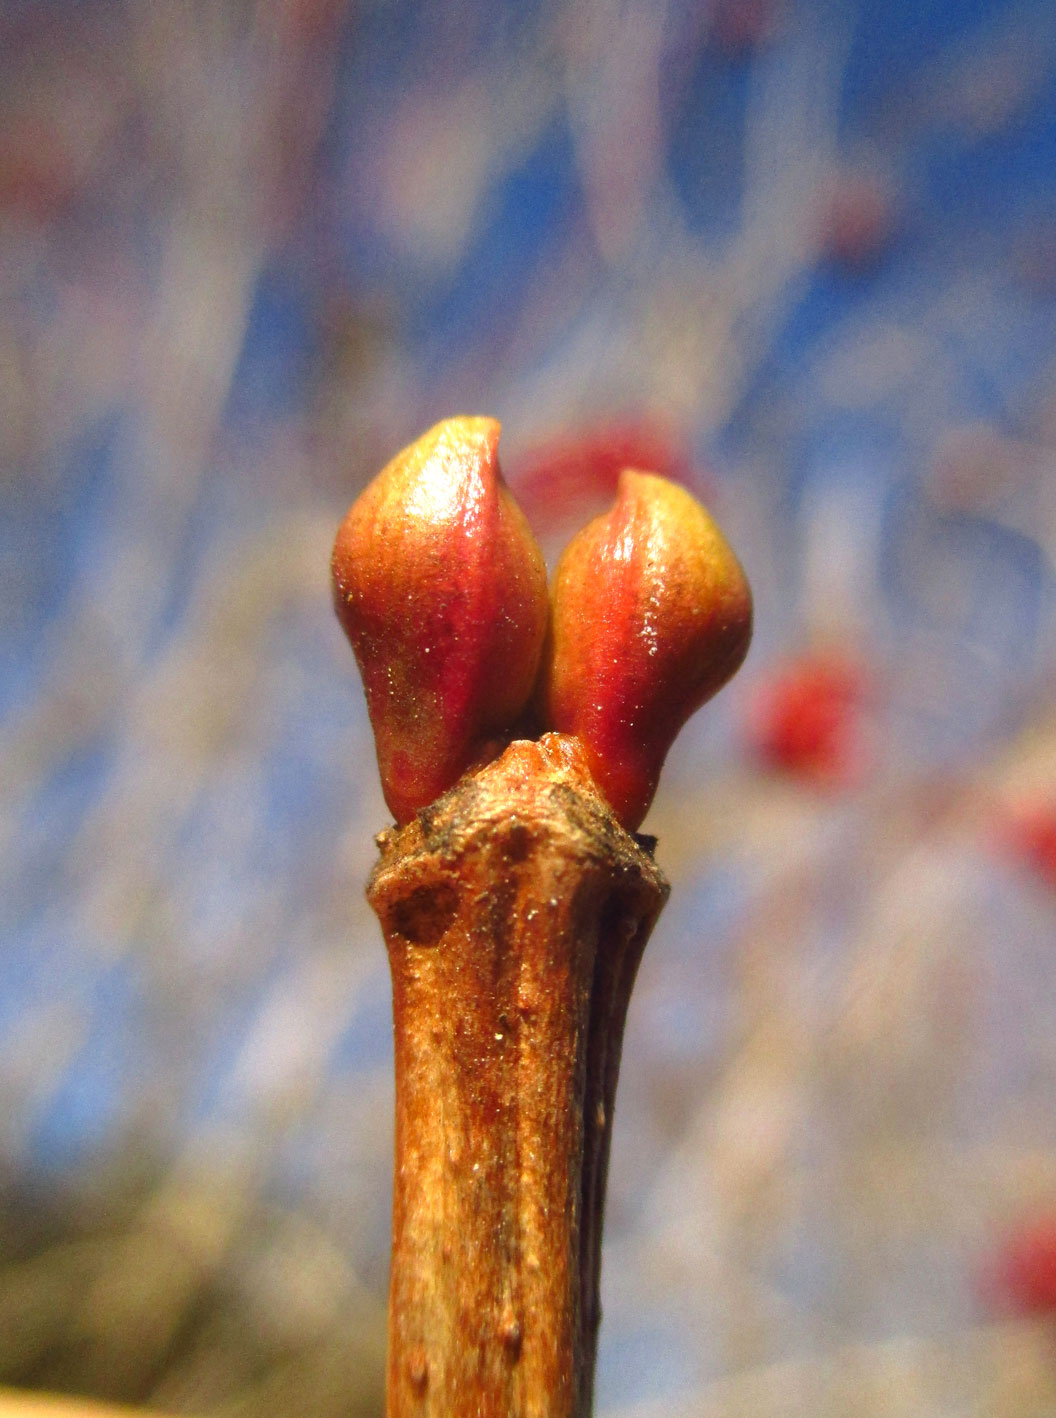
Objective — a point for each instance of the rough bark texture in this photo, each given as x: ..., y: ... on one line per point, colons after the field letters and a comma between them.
x: 515, y: 910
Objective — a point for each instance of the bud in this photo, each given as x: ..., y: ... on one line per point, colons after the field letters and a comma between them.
x: 441, y: 589
x: 806, y: 718
x: 651, y: 615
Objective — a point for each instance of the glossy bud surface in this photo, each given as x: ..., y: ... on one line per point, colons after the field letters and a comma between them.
x: 441, y: 589
x: 651, y: 615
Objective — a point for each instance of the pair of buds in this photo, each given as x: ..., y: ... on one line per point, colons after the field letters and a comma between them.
x: 441, y: 588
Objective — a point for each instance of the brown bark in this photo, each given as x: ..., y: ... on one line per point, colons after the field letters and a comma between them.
x: 515, y: 910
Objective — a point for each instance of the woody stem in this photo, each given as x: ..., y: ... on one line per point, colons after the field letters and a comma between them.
x: 515, y: 911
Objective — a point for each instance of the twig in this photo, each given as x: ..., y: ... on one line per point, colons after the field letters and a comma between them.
x: 516, y: 906
x: 515, y: 912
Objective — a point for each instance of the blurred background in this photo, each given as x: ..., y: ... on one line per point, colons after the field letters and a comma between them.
x: 801, y: 256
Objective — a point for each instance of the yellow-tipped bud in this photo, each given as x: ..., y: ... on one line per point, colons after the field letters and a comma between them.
x: 441, y: 589
x: 651, y: 615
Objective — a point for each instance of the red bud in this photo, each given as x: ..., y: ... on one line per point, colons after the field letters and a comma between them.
x: 1022, y: 1276
x: 805, y: 719
x: 651, y: 615
x: 441, y: 589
